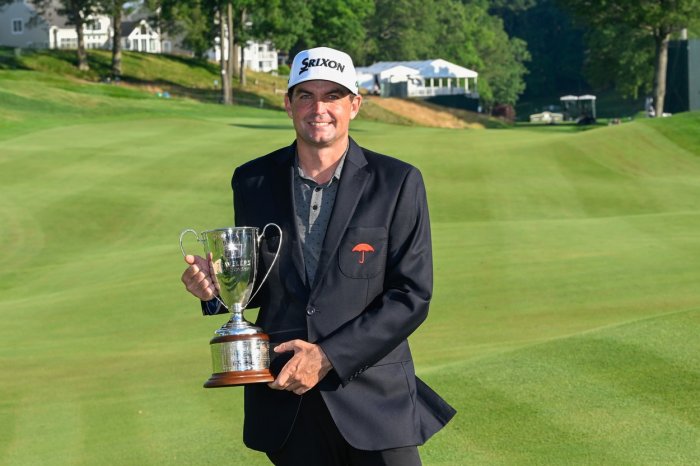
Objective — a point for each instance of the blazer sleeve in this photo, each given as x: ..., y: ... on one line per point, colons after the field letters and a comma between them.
x: 408, y: 282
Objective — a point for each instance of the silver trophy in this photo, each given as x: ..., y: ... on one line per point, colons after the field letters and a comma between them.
x: 240, y: 350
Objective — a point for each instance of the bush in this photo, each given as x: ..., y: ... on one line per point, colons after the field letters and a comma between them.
x: 283, y: 70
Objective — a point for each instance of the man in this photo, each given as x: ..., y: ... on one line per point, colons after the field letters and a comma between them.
x: 353, y: 281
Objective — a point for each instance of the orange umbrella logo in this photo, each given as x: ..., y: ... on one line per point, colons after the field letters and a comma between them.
x: 362, y: 248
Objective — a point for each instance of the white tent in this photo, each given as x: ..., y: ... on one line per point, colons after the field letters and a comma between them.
x: 371, y: 77
x: 423, y: 77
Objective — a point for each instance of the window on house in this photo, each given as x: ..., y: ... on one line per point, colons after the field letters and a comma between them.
x: 68, y: 43
x: 17, y: 26
x: 144, y: 42
x: 94, y: 26
x: 143, y: 29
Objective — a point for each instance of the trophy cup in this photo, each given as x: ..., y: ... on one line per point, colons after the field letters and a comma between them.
x: 240, y: 351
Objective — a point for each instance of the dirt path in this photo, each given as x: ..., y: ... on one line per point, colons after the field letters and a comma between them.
x: 422, y: 114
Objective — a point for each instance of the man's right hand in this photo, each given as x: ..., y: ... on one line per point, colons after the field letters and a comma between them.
x: 198, y: 279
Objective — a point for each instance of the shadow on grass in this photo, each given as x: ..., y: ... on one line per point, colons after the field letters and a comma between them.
x: 275, y: 127
x: 11, y: 60
x: 176, y: 89
x: 567, y: 127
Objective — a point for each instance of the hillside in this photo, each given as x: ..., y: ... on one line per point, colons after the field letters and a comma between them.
x: 188, y: 78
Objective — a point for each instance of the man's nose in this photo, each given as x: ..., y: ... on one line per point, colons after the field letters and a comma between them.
x: 319, y: 106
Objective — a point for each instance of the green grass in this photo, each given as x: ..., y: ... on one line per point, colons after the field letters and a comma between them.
x: 563, y: 327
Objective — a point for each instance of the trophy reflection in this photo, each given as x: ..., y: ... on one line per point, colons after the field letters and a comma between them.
x: 240, y: 350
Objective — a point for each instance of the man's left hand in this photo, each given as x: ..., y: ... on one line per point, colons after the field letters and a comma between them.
x: 306, y: 368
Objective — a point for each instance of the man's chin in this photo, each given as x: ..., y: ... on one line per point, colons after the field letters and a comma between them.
x: 320, y: 140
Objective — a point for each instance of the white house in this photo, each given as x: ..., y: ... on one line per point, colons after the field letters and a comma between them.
x: 257, y: 56
x: 16, y: 29
x: 21, y: 26
x: 260, y: 56
x: 139, y: 36
x: 424, y: 78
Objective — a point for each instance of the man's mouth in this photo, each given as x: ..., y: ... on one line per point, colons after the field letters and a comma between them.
x: 319, y: 123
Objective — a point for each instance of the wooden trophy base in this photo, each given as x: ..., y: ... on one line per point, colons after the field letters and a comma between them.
x: 230, y: 379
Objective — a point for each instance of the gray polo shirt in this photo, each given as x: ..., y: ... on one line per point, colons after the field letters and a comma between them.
x: 314, y: 204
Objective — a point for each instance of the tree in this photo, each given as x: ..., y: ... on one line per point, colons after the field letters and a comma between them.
x: 338, y: 24
x: 467, y: 34
x: 115, y: 8
x: 192, y: 19
x: 203, y: 21
x: 620, y: 57
x: 655, y: 20
x: 401, y: 30
x: 78, y: 13
x: 271, y: 22
x: 225, y: 20
x: 555, y: 43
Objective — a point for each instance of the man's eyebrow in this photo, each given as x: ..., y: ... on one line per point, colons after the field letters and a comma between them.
x: 338, y: 90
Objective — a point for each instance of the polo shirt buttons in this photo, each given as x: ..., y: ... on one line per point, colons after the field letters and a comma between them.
x: 310, y: 310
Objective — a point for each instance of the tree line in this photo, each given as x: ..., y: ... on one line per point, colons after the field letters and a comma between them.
x: 594, y: 45
x: 460, y: 31
x: 511, y: 43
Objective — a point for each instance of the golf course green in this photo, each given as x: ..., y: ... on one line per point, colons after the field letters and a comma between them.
x: 564, y: 326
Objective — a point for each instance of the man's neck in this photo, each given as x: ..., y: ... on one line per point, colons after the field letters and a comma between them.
x: 320, y: 163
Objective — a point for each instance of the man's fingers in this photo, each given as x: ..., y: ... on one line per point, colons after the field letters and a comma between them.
x: 282, y: 348
x: 293, y: 387
x: 189, y: 272
x: 291, y: 345
x: 290, y: 386
x: 197, y: 279
x: 280, y: 383
x: 286, y: 376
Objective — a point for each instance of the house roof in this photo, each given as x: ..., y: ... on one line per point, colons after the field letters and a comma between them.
x: 436, y: 68
x: 50, y: 14
x: 127, y: 27
x: 387, y: 72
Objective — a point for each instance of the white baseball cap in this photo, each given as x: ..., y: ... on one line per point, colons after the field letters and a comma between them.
x: 326, y: 64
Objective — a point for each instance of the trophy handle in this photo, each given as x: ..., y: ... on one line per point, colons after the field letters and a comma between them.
x: 182, y: 235
x: 277, y: 254
x: 184, y: 254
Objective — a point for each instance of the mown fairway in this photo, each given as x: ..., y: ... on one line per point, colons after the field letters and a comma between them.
x: 564, y: 326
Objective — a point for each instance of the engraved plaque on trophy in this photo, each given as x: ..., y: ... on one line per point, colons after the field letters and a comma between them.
x: 240, y: 350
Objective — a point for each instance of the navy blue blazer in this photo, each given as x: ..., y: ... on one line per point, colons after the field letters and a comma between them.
x: 372, y: 290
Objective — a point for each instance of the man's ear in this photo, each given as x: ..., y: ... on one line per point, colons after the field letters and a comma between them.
x: 355, y: 106
x: 288, y: 105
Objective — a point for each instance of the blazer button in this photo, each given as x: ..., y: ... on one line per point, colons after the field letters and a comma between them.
x: 310, y: 310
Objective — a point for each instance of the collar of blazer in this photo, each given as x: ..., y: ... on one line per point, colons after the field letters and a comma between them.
x: 352, y: 184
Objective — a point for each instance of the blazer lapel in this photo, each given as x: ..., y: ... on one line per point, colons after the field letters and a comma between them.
x: 352, y: 184
x: 284, y: 196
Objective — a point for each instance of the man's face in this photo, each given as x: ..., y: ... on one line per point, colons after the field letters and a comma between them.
x: 321, y: 111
